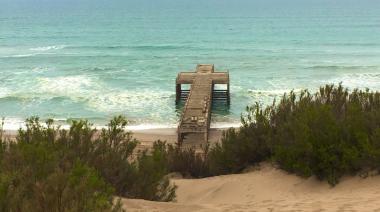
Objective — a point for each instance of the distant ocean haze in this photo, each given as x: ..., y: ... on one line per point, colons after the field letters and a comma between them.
x: 96, y: 59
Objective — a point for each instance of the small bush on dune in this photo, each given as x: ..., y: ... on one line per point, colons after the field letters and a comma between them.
x: 184, y: 161
x: 241, y: 148
x: 151, y: 179
x: 327, y: 134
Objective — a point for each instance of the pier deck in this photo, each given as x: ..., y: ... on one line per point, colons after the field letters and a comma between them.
x: 196, y: 116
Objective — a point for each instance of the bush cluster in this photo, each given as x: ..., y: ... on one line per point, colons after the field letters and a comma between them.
x: 327, y: 134
x: 80, y: 169
x: 184, y: 161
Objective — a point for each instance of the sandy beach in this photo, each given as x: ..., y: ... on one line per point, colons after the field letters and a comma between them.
x: 267, y: 189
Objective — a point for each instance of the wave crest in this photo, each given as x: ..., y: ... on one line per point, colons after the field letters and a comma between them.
x: 48, y: 48
x: 359, y: 80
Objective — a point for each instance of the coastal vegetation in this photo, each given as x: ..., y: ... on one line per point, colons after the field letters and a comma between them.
x: 327, y: 134
x: 80, y: 169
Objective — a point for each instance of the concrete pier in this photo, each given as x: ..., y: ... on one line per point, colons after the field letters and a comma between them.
x: 196, y: 116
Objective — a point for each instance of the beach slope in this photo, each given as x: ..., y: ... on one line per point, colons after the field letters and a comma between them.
x: 267, y: 189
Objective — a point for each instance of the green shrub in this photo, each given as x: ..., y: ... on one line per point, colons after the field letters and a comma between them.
x: 2, y: 143
x: 327, y: 134
x: 80, y: 169
x: 188, y: 162
x: 184, y: 161
x: 241, y: 148
x: 151, y: 176
x: 32, y: 176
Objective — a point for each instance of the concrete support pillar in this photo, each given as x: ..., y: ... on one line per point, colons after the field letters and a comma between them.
x: 180, y: 138
x: 228, y: 94
x: 178, y: 92
x: 212, y: 92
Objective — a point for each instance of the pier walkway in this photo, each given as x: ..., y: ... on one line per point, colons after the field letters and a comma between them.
x: 196, y: 114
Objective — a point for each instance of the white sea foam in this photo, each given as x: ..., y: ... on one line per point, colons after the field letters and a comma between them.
x: 70, y: 86
x: 14, y: 124
x: 26, y: 55
x: 15, y: 53
x: 4, y: 92
x: 146, y: 103
x: 358, y: 80
x: 19, y: 55
x: 40, y: 70
x: 274, y: 92
x: 136, y: 100
x: 48, y: 48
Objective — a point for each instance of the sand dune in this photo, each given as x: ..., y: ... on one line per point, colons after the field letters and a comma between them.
x: 268, y: 189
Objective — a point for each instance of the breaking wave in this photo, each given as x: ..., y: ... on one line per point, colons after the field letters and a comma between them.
x: 358, y: 80
x: 48, y: 48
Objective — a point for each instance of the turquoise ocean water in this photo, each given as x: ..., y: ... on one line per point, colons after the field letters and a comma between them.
x: 67, y: 59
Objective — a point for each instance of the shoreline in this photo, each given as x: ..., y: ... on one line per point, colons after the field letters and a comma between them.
x: 11, y: 124
x: 136, y: 128
x: 146, y: 137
